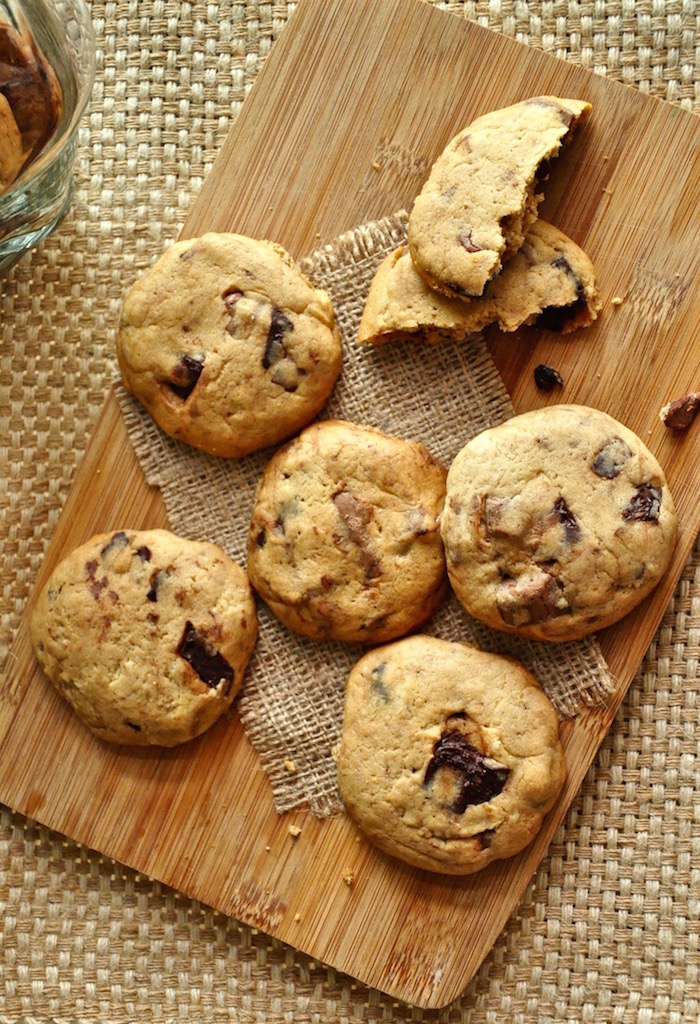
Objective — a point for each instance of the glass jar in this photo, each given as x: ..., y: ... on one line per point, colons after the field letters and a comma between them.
x: 47, y: 69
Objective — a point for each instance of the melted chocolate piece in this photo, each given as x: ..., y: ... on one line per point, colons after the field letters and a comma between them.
x: 186, y: 373
x: 157, y: 578
x: 611, y: 459
x: 275, y: 348
x: 356, y: 515
x: 465, y: 240
x: 481, y: 782
x: 209, y: 665
x: 568, y: 520
x: 645, y: 505
x: 377, y: 685
x: 531, y: 601
x: 144, y: 553
x: 116, y: 542
x: 133, y: 725
x: 546, y: 377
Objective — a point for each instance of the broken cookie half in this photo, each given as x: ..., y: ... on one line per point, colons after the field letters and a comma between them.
x: 550, y: 283
x: 474, y: 211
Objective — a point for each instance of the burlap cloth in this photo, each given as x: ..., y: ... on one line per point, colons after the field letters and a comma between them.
x: 609, y: 929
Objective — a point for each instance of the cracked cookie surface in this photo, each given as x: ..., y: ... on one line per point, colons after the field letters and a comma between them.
x: 146, y: 635
x: 550, y: 282
x: 482, y: 193
x: 449, y: 757
x: 228, y: 345
x: 557, y: 523
x: 344, y: 538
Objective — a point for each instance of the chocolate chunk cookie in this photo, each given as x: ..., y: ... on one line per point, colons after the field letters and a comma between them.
x: 550, y: 282
x: 482, y: 194
x: 227, y: 345
x: 449, y: 757
x: 344, y: 540
x: 11, y: 153
x: 146, y: 635
x: 557, y: 523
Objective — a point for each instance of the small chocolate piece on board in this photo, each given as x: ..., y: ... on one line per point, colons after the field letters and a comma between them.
x: 679, y: 414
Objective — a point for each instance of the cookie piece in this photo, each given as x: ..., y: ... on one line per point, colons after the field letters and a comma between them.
x: 11, y: 155
x: 146, y: 635
x: 482, y: 193
x: 557, y: 523
x: 30, y: 86
x: 228, y: 345
x: 449, y: 757
x: 550, y: 282
x: 344, y: 539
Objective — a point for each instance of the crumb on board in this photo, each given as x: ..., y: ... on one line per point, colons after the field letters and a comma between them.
x: 376, y: 166
x: 267, y: 849
x: 616, y: 300
x: 290, y: 765
x: 294, y: 831
x: 297, y: 917
x: 348, y: 877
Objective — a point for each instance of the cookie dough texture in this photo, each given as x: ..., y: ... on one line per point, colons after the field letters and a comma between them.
x: 146, y: 635
x: 550, y: 282
x: 557, y: 523
x: 344, y: 538
x: 228, y: 345
x: 482, y: 193
x: 449, y: 757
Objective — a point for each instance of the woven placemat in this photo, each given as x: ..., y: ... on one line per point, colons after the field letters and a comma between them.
x: 608, y: 929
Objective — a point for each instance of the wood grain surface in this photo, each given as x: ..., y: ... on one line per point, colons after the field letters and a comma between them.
x: 354, y: 103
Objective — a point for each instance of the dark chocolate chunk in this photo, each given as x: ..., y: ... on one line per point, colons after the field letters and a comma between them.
x: 611, y: 459
x: 261, y: 539
x: 209, y: 665
x: 547, y: 378
x: 532, y: 600
x: 356, y: 515
x: 144, y: 553
x: 645, y: 505
x: 115, y: 543
x: 157, y: 578
x: 486, y: 837
x: 133, y: 725
x: 568, y: 521
x: 185, y: 374
x: 465, y: 240
x: 680, y: 414
x: 481, y: 781
x: 377, y: 684
x: 275, y: 348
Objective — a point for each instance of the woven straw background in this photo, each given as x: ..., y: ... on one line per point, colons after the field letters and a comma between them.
x: 609, y: 929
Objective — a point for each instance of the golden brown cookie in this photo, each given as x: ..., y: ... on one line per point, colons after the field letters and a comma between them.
x: 550, y: 282
x: 146, y: 635
x: 557, y: 523
x: 228, y: 345
x: 449, y: 757
x: 344, y: 540
x: 482, y: 193
x: 11, y: 154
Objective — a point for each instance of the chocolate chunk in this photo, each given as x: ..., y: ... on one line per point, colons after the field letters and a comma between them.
x: 132, y: 725
x: 465, y: 240
x: 209, y: 665
x: 261, y: 539
x: 377, y: 684
x: 611, y: 459
x: 356, y: 515
x: 275, y: 348
x: 568, y: 520
x: 157, y: 579
x: 144, y: 553
x: 185, y: 374
x: 486, y: 837
x: 97, y: 586
x: 116, y: 542
x: 547, y: 378
x: 534, y: 599
x: 482, y: 780
x: 680, y: 414
x: 645, y: 505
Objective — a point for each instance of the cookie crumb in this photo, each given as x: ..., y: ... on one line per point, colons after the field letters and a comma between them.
x: 348, y: 877
x: 617, y: 300
x: 267, y: 849
x: 376, y: 166
x: 679, y: 414
x: 297, y: 917
x: 290, y: 765
x: 294, y: 831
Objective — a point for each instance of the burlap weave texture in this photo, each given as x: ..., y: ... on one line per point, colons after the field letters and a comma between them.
x: 608, y: 930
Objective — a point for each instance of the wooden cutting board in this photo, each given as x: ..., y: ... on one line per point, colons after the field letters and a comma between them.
x: 354, y: 103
